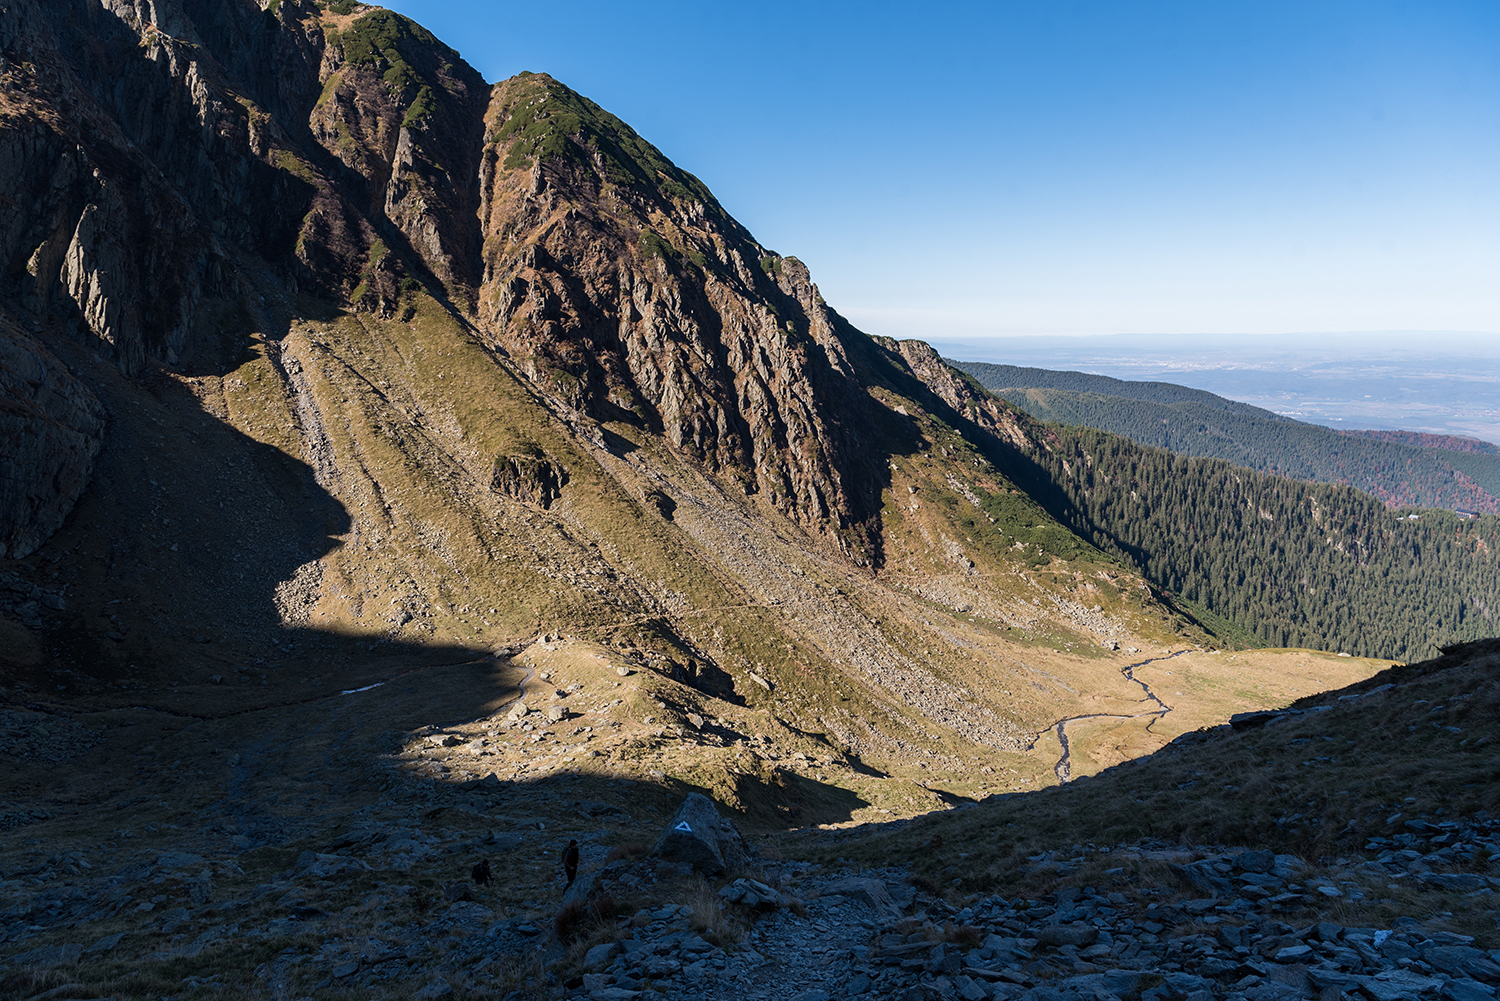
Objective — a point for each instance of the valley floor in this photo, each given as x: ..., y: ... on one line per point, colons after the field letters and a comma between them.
x: 322, y: 848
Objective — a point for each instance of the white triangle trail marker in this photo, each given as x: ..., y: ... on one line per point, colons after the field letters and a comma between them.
x: 683, y: 826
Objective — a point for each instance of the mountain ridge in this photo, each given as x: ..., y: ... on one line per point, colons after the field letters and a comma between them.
x: 397, y: 428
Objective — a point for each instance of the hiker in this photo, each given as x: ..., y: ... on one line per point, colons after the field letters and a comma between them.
x: 481, y: 872
x: 570, y: 861
x: 692, y: 672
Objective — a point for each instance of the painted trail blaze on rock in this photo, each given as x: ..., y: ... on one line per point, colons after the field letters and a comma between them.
x: 692, y: 835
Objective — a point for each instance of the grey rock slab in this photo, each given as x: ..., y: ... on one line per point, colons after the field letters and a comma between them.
x: 1398, y: 985
x: 1327, y: 931
x: 1203, y: 877
x: 49, y: 955
x: 1187, y: 983
x: 753, y: 893
x: 1462, y: 961
x: 599, y: 956
x: 1007, y: 950
x: 438, y: 988
x: 1462, y: 882
x: 1272, y: 992
x: 970, y: 990
x: 1121, y: 982
x: 1467, y: 990
x: 696, y: 945
x: 1078, y: 934
x: 106, y: 943
x: 872, y: 891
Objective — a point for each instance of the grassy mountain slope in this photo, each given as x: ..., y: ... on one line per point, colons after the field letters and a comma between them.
x: 435, y: 418
x: 1196, y: 423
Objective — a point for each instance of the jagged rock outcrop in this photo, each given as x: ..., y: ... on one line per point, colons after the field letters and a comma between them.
x: 529, y: 478
x: 621, y: 286
x: 959, y: 392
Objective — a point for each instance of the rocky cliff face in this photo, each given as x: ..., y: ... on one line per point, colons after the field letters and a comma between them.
x: 621, y: 286
x: 158, y: 156
x: 51, y: 427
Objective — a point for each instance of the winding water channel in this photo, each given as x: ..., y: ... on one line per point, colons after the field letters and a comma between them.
x: 1064, y: 767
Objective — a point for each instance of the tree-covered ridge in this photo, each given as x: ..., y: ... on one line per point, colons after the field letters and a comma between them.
x: 1421, y: 439
x: 1192, y: 422
x: 1483, y: 469
x: 997, y: 377
x: 1295, y: 564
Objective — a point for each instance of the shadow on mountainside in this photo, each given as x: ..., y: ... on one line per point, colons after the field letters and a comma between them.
x: 184, y: 575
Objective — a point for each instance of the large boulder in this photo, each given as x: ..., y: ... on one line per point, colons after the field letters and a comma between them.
x: 698, y: 836
x: 873, y: 891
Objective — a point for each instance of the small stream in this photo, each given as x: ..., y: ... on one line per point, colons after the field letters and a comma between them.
x: 1064, y: 767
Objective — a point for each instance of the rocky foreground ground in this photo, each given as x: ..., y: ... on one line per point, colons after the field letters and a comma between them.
x: 356, y: 918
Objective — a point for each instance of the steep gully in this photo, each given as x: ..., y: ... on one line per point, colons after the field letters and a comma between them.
x: 1064, y: 767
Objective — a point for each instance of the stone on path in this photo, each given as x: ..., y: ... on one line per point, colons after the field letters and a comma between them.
x: 599, y: 956
x: 694, y: 836
x: 753, y: 893
x: 1078, y: 934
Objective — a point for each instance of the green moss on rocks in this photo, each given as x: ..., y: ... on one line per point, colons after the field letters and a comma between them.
x: 548, y: 120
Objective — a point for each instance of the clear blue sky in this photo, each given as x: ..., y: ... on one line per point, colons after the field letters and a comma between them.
x: 957, y: 170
